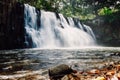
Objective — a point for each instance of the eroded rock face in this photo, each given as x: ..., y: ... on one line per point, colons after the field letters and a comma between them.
x: 107, y: 33
x: 11, y: 24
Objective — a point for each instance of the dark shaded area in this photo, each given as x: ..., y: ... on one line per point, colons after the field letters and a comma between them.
x: 11, y: 25
x: 106, y: 29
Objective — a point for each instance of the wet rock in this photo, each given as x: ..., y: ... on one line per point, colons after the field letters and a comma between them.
x: 118, y: 67
x: 70, y: 77
x: 107, y: 33
x: 59, y: 71
x: 110, y: 73
x: 115, y: 54
x: 118, y: 75
x: 11, y: 24
x: 100, y: 78
x: 33, y: 77
x: 94, y: 71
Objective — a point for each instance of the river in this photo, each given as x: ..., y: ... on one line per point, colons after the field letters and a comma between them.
x: 35, y: 59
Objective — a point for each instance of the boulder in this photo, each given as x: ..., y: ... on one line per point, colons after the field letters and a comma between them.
x: 59, y: 71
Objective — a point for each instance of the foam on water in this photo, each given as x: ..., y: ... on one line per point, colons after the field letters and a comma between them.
x: 50, y: 30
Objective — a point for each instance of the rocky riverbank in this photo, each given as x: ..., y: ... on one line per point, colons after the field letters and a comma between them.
x: 110, y: 71
x: 41, y: 64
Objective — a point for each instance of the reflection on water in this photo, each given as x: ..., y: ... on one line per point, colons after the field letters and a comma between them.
x: 36, y: 59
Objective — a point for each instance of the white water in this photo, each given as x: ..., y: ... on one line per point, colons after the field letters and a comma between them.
x: 51, y: 32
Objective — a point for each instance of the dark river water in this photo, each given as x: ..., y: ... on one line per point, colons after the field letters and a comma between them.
x: 43, y: 59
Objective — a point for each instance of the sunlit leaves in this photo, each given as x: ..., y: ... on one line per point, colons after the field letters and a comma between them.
x: 84, y: 9
x: 106, y: 11
x: 108, y: 72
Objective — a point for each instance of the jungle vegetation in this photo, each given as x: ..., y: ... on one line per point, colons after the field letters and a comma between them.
x: 83, y: 9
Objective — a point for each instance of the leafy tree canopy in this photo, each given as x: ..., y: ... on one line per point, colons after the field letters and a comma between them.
x: 84, y: 9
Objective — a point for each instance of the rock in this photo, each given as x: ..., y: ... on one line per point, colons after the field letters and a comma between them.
x: 59, y: 71
x: 11, y: 24
x: 118, y: 67
x: 110, y: 73
x: 113, y: 78
x: 65, y: 77
x: 70, y: 77
x: 118, y: 75
x: 94, y: 71
x: 100, y: 78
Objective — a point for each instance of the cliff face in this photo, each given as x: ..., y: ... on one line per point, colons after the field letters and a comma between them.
x: 107, y: 34
x: 11, y: 24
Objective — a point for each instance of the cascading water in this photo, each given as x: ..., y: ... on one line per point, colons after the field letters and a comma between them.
x: 49, y: 30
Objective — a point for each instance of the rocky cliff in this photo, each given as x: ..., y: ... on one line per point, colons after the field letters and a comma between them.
x: 11, y: 24
x: 107, y: 33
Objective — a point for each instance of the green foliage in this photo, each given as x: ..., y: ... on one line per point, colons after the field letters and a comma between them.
x: 84, y: 9
x: 77, y: 8
x: 106, y: 11
x: 49, y: 5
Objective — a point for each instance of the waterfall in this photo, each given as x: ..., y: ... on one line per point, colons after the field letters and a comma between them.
x: 46, y: 29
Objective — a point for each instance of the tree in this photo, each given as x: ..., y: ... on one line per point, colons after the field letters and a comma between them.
x: 49, y: 5
x: 84, y: 9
